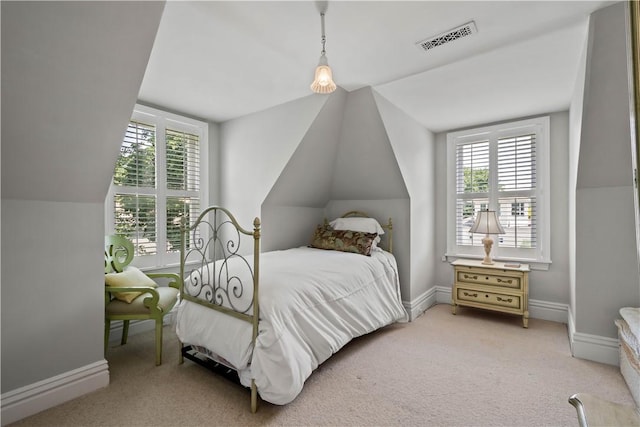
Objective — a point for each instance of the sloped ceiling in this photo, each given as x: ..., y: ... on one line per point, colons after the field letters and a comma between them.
x: 71, y: 72
x: 366, y: 167
x: 345, y: 155
x: 306, y: 180
x: 223, y: 59
x: 604, y: 160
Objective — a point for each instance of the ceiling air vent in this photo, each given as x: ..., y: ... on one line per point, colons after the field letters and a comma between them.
x: 448, y: 36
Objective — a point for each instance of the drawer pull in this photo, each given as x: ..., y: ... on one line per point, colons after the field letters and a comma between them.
x: 466, y: 276
x: 505, y: 300
x: 466, y: 294
x: 505, y: 281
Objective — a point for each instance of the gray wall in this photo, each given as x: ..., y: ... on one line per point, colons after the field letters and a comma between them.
x: 575, y: 125
x: 552, y: 285
x: 66, y: 100
x: 594, y: 271
x: 606, y: 277
x: 343, y: 152
x: 256, y: 148
x: 414, y: 149
x: 52, y: 289
x: 298, y: 197
x: 70, y: 75
x: 365, y: 167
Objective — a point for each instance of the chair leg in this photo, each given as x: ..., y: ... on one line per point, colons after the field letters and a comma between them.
x: 107, y: 329
x: 159, y: 341
x: 125, y: 332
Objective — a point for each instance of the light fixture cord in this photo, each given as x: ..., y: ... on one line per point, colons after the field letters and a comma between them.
x: 324, y: 38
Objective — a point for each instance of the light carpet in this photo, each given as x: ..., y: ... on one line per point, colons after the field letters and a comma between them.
x: 476, y: 368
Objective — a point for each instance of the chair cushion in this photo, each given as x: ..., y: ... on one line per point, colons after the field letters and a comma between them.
x: 130, y: 277
x: 168, y: 298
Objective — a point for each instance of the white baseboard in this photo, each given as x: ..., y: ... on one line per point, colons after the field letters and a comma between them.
x: 443, y: 294
x: 34, y: 398
x: 419, y: 305
x: 584, y: 346
x: 543, y: 310
x: 596, y: 348
x: 593, y: 347
x: 31, y: 399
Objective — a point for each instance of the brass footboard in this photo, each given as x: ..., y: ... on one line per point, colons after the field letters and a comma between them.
x: 216, y: 274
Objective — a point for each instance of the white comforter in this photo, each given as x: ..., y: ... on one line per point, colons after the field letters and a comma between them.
x: 312, y: 302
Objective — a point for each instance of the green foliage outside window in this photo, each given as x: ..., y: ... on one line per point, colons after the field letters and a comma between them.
x: 135, y: 214
x: 476, y: 180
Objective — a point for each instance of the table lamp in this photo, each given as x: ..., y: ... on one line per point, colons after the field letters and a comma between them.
x: 487, y: 223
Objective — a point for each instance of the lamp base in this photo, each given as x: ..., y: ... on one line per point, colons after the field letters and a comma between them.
x: 488, y: 243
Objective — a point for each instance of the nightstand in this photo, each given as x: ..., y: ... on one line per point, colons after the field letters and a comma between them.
x: 500, y: 287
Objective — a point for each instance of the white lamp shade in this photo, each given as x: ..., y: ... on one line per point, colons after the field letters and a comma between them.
x: 487, y: 223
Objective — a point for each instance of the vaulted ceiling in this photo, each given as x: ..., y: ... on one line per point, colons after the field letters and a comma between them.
x: 218, y: 60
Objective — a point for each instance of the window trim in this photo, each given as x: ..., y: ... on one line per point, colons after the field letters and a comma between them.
x: 163, y: 119
x: 541, y: 126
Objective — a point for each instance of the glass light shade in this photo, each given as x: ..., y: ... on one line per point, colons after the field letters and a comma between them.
x: 487, y: 223
x: 323, y: 81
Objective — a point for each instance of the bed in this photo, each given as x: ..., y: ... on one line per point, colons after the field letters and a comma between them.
x: 274, y: 317
x: 629, y: 338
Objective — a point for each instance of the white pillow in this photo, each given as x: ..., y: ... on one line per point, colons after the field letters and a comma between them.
x: 131, y: 277
x: 365, y: 225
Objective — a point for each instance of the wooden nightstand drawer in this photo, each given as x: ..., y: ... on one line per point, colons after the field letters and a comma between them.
x: 499, y: 287
x: 489, y: 298
x: 482, y: 277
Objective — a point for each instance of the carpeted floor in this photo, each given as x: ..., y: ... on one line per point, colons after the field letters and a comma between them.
x: 476, y: 368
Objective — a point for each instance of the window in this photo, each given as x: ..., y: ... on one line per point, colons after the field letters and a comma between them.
x: 159, y: 178
x: 503, y: 168
x: 517, y: 209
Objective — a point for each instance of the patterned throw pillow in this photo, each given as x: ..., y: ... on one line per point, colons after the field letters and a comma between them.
x: 343, y: 240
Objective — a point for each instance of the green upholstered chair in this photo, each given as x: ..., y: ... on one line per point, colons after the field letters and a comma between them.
x: 133, y: 295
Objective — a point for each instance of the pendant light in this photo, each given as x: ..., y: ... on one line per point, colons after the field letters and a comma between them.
x: 323, y: 81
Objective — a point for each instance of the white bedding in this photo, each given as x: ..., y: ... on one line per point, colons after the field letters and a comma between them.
x: 312, y: 302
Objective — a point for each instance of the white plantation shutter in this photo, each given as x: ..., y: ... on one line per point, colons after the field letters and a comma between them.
x: 183, y: 161
x: 472, y: 188
x: 500, y: 168
x: 158, y: 180
x: 517, y: 190
x: 183, y: 182
x: 134, y: 203
x: 137, y: 157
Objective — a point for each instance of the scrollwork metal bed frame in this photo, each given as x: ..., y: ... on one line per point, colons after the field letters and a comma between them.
x: 206, y: 241
x: 217, y: 236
